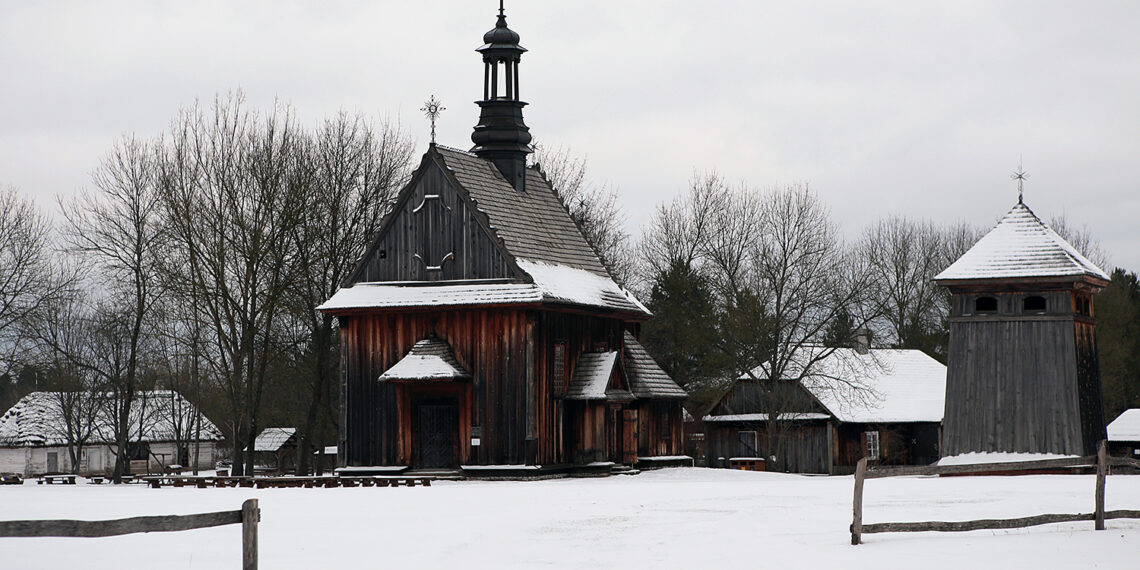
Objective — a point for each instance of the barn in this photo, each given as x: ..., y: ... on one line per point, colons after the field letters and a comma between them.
x: 33, y: 435
x: 1023, y: 374
x: 885, y: 404
x: 482, y: 332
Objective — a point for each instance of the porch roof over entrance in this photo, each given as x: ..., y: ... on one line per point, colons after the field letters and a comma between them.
x: 430, y: 359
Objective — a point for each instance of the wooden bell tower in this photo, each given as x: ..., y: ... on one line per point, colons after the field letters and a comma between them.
x: 1023, y: 374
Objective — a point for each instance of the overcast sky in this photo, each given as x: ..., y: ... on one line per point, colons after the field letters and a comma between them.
x: 909, y: 107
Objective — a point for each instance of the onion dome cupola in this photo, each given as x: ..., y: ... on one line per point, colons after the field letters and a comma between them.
x: 501, y: 134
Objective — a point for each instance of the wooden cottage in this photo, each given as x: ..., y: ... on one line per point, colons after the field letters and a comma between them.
x: 885, y: 404
x: 1023, y: 374
x: 165, y: 432
x: 481, y: 330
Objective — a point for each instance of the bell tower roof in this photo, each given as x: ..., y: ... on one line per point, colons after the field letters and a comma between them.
x: 1020, y: 246
x: 501, y: 135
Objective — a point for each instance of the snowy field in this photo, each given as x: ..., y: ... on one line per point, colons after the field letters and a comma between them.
x: 673, y: 518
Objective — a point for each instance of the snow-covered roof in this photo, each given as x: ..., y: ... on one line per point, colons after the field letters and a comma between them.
x: 381, y: 295
x: 553, y: 283
x: 764, y: 417
x: 156, y: 415
x: 646, y: 378
x: 1126, y: 426
x: 883, y: 385
x: 1021, y: 245
x: 429, y: 359
x: 592, y: 376
x: 271, y: 439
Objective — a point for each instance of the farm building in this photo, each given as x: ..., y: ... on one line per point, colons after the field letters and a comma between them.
x: 1124, y: 434
x: 882, y: 403
x: 1023, y: 374
x: 165, y: 431
x: 275, y: 449
x: 481, y: 330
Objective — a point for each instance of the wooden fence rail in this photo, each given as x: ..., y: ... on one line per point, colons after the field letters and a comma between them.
x: 248, y: 517
x: 1101, y: 460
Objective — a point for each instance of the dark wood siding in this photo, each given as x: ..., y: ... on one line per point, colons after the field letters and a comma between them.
x: 1021, y: 380
x: 433, y: 228
x: 493, y: 344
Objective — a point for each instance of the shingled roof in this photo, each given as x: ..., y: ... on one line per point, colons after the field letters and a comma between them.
x: 536, y: 233
x: 1021, y: 246
x: 592, y: 376
x: 534, y: 225
x: 646, y: 378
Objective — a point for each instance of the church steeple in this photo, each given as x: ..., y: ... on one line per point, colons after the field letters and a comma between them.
x: 501, y: 134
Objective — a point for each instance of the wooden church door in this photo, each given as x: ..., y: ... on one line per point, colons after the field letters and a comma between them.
x: 437, y: 433
x: 629, y: 437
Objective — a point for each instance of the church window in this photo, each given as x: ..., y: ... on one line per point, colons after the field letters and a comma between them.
x: 558, y: 378
x: 985, y: 305
x: 1034, y: 304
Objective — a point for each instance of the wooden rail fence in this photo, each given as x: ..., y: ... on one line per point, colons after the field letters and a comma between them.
x: 1101, y: 460
x: 248, y: 517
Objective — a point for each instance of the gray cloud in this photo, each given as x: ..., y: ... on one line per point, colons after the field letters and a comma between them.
x: 884, y: 107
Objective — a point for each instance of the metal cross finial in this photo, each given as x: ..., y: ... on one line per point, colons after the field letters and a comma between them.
x: 432, y: 109
x: 1020, y: 177
x: 500, y: 7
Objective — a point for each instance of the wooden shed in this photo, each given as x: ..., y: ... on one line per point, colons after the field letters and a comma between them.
x: 1023, y: 374
x: 885, y: 404
x: 481, y: 329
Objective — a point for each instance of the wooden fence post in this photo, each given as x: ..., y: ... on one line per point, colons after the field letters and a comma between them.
x: 857, y: 503
x: 250, y: 516
x: 1101, y: 472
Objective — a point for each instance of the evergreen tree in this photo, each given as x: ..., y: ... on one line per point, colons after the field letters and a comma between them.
x: 1118, y: 342
x: 682, y: 334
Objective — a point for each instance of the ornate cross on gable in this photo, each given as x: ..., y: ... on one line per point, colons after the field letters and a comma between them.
x: 432, y: 109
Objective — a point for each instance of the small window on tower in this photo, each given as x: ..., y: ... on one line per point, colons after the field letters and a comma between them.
x: 1034, y: 304
x: 985, y: 305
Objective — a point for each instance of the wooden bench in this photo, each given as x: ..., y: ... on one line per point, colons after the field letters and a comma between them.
x: 11, y: 480
x: 54, y: 479
x: 96, y: 480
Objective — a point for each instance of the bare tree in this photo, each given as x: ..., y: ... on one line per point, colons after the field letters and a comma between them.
x: 28, y: 277
x: 118, y: 228
x: 781, y: 276
x: 357, y: 168
x: 903, y: 257
x: 234, y: 191
x: 594, y: 209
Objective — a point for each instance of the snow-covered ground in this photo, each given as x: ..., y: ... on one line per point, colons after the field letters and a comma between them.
x: 673, y: 518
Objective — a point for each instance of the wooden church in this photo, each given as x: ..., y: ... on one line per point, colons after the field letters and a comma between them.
x: 481, y: 331
x: 1022, y: 372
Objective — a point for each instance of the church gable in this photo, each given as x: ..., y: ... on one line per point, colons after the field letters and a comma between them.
x: 433, y: 234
